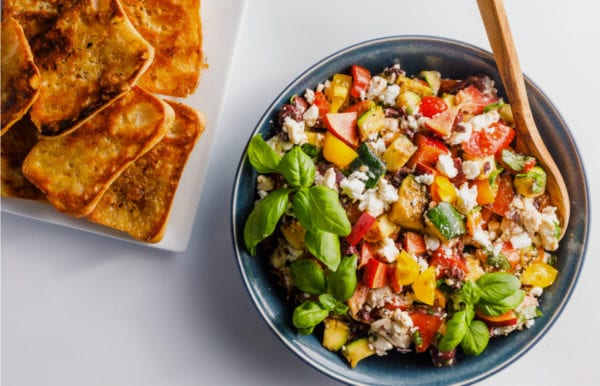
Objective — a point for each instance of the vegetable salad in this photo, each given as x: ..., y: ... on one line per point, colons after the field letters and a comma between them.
x: 399, y: 217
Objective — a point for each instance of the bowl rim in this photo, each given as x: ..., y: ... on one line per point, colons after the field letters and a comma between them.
x: 456, y: 45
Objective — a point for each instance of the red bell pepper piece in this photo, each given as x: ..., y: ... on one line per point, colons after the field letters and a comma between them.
x: 360, y: 81
x: 360, y: 228
x: 375, y: 274
x: 428, y: 150
x: 343, y: 126
x: 413, y: 243
x: 428, y: 326
x: 366, y: 254
x: 360, y: 107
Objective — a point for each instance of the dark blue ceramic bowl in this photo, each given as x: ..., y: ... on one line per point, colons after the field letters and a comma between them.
x: 454, y: 60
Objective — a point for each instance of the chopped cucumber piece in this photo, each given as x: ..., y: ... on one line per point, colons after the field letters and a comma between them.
x: 446, y: 220
x: 356, y: 351
x: 335, y: 334
x: 433, y: 79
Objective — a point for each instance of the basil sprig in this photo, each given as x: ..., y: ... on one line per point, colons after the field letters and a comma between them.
x: 492, y: 294
x: 316, y: 207
x: 332, y: 290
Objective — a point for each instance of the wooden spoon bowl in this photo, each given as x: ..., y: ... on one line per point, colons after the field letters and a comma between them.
x: 529, y: 139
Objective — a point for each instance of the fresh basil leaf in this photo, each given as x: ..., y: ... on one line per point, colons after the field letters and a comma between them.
x: 327, y: 301
x: 261, y: 156
x: 326, y: 211
x: 297, y: 168
x: 455, y: 332
x: 310, y: 150
x: 476, y: 338
x: 302, y: 208
x: 325, y: 246
x: 306, y: 331
x: 495, y: 286
x: 342, y: 282
x: 470, y: 292
x: 308, y: 276
x: 503, y: 305
x: 264, y: 217
x: 340, y: 308
x: 308, y: 315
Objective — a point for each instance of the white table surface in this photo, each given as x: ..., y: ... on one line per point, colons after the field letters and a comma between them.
x: 83, y: 309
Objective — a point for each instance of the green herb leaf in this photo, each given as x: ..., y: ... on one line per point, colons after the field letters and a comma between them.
x: 342, y: 282
x: 325, y: 246
x: 308, y: 315
x: 262, y: 157
x: 496, y: 286
x: 476, y: 338
x: 264, y: 217
x: 297, y: 168
x: 308, y: 276
x: 310, y: 150
x: 493, y: 106
x: 470, y: 292
x: 455, y: 332
x: 319, y: 208
x: 327, y: 301
x: 503, y: 305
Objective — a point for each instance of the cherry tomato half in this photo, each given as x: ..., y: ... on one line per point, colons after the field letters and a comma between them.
x: 489, y: 141
x: 432, y: 105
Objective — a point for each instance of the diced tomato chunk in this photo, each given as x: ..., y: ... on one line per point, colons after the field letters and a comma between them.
x: 414, y: 243
x: 489, y: 141
x: 432, y: 105
x: 366, y: 254
x: 428, y: 326
x: 448, y: 261
x: 473, y: 101
x: 322, y: 104
x: 504, y: 196
x: 360, y: 81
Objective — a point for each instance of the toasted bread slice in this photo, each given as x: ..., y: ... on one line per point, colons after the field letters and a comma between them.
x: 75, y: 170
x: 16, y: 144
x: 36, y: 16
x: 20, y: 75
x: 174, y: 29
x: 139, y: 201
x: 90, y: 57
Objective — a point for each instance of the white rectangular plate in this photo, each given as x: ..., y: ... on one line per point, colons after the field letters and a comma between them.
x: 221, y: 22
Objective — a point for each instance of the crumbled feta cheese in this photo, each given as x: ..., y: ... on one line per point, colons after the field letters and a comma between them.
x: 328, y: 180
x: 353, y: 186
x: 426, y: 179
x: 378, y: 146
x: 391, y: 93
x: 520, y: 240
x: 309, y: 95
x: 377, y: 87
x: 485, y: 120
x: 320, y: 87
x: 470, y: 169
x: 311, y: 115
x: 295, y: 131
x: 379, y: 297
x: 386, y: 191
x: 431, y: 242
x: 445, y: 165
x: 467, y: 198
x: 541, y: 226
x: 389, y: 251
x: 279, y: 145
x: 481, y: 237
x: 411, y: 122
x: 391, y: 125
x: 264, y: 183
x: 536, y: 291
x: 461, y: 134
x: 371, y: 203
x: 395, y: 331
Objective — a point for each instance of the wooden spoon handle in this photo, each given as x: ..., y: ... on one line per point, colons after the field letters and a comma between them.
x: 529, y: 139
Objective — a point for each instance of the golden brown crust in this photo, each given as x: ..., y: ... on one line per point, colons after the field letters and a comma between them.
x: 20, y: 75
x: 87, y: 59
x: 173, y: 28
x: 75, y: 170
x: 36, y: 16
x: 139, y: 201
x: 16, y: 144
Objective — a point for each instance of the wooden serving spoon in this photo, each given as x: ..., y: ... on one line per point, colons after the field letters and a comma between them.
x: 529, y: 139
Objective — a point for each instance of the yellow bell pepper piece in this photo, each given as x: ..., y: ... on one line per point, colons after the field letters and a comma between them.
x: 407, y: 269
x: 444, y: 190
x: 539, y: 275
x: 338, y: 92
x: 337, y: 152
x: 424, y: 286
